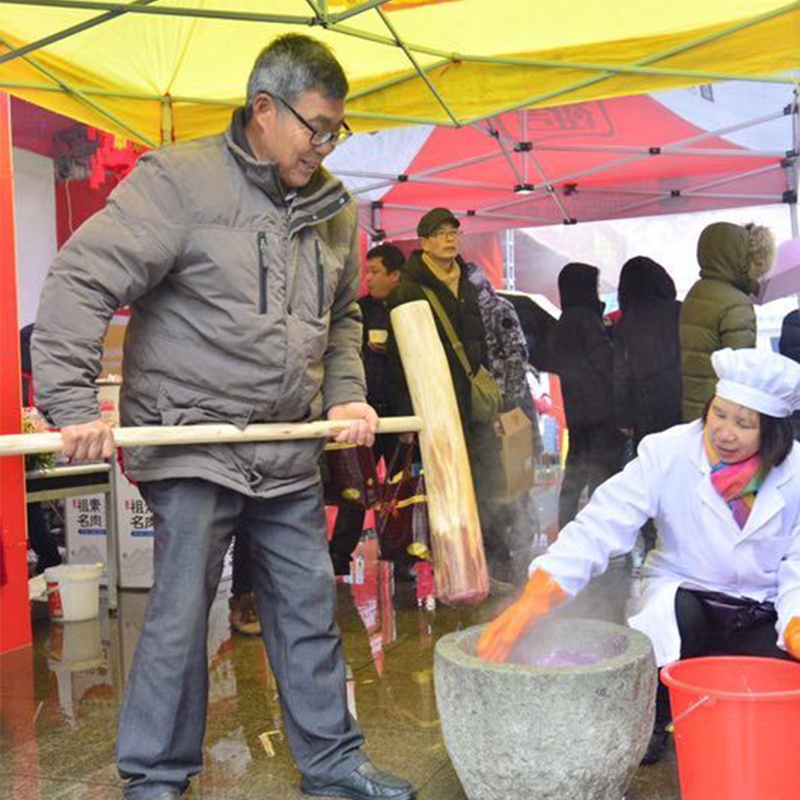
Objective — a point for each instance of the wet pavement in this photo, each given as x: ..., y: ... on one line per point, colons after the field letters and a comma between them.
x: 59, y: 700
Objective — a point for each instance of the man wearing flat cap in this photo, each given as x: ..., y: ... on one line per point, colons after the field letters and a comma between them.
x: 489, y: 331
x: 439, y: 267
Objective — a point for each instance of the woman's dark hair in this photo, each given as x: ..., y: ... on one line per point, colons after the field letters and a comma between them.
x: 776, y: 435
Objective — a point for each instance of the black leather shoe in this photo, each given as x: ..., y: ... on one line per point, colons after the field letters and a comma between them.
x: 363, y: 783
x: 655, y: 749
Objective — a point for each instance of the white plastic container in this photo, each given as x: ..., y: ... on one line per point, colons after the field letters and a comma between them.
x: 76, y: 647
x: 73, y: 591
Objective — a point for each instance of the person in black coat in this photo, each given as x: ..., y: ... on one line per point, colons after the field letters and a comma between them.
x: 647, y: 354
x: 789, y: 346
x: 384, y: 266
x: 580, y: 353
x: 439, y: 267
x: 647, y: 357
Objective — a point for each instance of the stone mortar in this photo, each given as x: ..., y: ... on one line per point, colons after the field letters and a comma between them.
x: 546, y: 733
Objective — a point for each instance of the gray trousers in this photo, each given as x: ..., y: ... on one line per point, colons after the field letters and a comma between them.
x: 163, y: 718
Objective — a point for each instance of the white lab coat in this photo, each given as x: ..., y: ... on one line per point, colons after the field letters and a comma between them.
x: 700, y: 546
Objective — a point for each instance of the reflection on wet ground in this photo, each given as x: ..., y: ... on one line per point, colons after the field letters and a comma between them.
x: 59, y: 700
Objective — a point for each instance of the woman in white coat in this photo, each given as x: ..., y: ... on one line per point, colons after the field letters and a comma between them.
x: 724, y: 492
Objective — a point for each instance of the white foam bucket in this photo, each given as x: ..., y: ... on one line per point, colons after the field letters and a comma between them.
x: 73, y: 591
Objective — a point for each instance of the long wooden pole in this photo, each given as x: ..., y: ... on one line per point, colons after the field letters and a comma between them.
x: 27, y: 443
x: 459, y: 561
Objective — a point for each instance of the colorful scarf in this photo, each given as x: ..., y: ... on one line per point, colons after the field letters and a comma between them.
x: 737, y: 483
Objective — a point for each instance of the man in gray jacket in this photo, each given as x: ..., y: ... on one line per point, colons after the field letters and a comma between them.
x: 238, y: 256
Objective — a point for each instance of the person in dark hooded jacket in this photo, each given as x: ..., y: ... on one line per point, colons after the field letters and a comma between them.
x: 647, y: 356
x: 789, y: 346
x: 581, y: 355
x: 718, y: 311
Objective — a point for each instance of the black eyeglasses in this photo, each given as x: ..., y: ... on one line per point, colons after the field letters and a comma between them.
x: 318, y: 138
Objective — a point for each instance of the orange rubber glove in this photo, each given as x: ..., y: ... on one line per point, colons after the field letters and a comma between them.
x: 792, y: 637
x: 498, y: 639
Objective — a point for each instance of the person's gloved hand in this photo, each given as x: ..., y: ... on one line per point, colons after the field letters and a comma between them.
x: 792, y: 637
x: 541, y: 593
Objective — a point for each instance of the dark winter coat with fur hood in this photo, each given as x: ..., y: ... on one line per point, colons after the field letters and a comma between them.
x: 718, y: 311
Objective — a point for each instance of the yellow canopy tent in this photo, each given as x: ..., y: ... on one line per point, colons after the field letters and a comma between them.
x: 160, y: 70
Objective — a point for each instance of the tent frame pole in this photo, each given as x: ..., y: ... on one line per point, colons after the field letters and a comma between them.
x: 728, y: 178
x: 542, y: 97
x: 665, y: 150
x: 794, y: 171
x: 67, y: 32
x: 422, y: 74
x: 332, y: 23
x: 509, y: 262
x: 464, y: 162
x: 397, y: 79
x: 173, y: 11
x: 87, y: 100
x: 495, y: 187
x: 698, y: 191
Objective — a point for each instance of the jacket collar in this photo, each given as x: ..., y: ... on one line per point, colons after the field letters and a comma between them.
x: 770, y: 500
x: 417, y: 271
x: 323, y: 196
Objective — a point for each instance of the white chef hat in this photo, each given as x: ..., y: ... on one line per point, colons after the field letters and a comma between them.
x: 759, y: 379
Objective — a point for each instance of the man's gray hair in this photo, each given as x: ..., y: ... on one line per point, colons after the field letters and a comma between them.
x: 293, y: 64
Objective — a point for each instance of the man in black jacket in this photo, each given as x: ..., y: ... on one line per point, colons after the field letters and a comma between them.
x: 439, y: 267
x: 384, y: 265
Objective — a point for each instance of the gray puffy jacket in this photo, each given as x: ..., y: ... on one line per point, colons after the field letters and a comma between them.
x: 243, y: 310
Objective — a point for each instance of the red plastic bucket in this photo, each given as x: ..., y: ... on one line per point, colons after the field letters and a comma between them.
x: 737, y: 727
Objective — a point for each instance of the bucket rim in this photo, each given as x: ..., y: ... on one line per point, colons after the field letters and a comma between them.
x: 73, y: 572
x: 720, y: 694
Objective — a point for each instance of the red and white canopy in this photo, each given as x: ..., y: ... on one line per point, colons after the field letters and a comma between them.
x: 714, y: 147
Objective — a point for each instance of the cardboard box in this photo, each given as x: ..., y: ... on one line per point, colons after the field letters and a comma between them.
x: 516, y: 453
